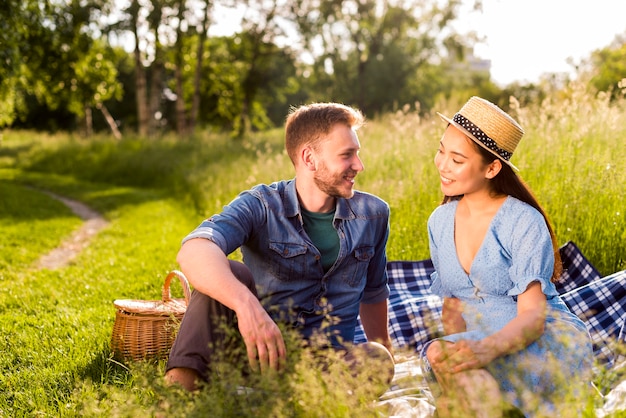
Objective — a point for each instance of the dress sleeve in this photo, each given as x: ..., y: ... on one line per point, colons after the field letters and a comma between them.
x: 532, y: 253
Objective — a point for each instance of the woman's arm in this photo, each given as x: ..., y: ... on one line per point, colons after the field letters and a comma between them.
x: 453, y: 322
x: 526, y: 327
x: 521, y: 331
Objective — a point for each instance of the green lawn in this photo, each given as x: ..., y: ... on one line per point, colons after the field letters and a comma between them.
x: 56, y: 324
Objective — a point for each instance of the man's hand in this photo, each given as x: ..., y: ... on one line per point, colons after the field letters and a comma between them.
x: 263, y: 339
x: 208, y: 270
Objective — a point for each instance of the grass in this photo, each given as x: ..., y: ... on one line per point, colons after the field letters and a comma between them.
x: 56, y: 324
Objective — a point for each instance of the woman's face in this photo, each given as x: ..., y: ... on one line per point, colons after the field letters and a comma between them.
x: 462, y: 169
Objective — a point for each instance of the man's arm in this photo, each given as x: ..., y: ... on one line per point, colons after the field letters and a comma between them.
x: 208, y: 271
x: 375, y: 322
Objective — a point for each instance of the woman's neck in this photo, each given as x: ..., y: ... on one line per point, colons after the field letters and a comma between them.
x: 480, y: 203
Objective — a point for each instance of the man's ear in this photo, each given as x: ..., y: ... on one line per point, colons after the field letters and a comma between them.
x: 307, y: 157
x: 493, y: 169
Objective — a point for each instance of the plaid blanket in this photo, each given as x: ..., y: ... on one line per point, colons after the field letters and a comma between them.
x: 415, y: 313
x: 602, y: 305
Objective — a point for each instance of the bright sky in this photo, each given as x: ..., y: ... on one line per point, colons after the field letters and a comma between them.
x: 526, y: 38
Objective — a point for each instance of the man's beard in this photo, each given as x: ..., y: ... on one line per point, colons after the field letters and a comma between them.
x: 334, y: 185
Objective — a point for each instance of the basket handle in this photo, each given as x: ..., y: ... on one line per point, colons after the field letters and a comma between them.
x: 166, y: 294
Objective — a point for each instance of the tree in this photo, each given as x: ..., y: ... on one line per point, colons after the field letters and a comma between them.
x: 86, y: 70
x: 161, y: 31
x: 264, y: 24
x: 94, y: 82
x: 203, y: 33
x: 608, y: 67
x: 372, y: 50
x: 271, y: 86
x: 52, y: 56
x: 187, y: 105
x: 20, y: 24
x: 179, y: 54
x: 144, y: 21
x: 376, y: 54
x: 11, y: 26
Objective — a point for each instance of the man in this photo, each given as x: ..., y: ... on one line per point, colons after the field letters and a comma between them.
x: 313, y: 248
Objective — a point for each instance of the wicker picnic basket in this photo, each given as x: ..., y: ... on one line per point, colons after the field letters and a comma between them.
x: 146, y: 328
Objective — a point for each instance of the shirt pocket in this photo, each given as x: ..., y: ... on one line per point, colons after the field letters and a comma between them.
x: 356, y: 264
x: 288, y: 261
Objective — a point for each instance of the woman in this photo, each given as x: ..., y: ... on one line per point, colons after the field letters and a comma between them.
x: 509, y: 338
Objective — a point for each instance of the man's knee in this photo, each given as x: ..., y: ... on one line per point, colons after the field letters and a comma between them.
x: 434, y: 350
x: 187, y: 378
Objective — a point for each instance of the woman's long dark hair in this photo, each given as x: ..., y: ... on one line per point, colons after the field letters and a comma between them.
x: 506, y: 182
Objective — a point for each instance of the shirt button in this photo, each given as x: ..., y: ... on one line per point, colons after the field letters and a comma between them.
x: 317, y: 257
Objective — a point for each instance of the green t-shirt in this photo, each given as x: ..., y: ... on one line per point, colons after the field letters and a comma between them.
x: 319, y: 227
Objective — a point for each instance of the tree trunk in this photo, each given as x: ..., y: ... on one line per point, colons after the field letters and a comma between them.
x: 181, y: 117
x: 155, y: 19
x: 88, y: 122
x: 249, y: 88
x: 195, y: 104
x: 107, y: 116
x: 140, y: 77
x: 156, y: 87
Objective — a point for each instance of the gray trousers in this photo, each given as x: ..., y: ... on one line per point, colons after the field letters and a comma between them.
x: 209, y: 330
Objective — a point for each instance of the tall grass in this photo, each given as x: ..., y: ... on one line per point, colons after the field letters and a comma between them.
x: 55, y: 325
x: 570, y: 157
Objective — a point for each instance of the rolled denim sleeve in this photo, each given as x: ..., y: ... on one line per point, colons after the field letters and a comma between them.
x: 231, y: 228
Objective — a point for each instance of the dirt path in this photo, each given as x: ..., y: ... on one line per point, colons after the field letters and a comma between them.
x: 70, y: 247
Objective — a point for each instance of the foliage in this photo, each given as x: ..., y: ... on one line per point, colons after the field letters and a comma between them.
x: 609, y: 69
x: 66, y: 59
x: 19, y: 23
x: 378, y: 55
x: 95, y: 79
x: 270, y: 80
x: 56, y: 63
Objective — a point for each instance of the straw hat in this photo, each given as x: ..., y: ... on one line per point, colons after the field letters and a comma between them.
x: 488, y: 126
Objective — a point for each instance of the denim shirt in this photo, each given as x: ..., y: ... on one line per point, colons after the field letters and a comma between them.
x: 267, y: 224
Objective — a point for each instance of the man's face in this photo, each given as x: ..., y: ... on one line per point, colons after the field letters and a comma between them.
x: 338, y: 162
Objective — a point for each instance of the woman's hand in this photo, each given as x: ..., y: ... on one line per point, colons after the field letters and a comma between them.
x: 462, y: 355
x: 525, y: 328
x: 468, y: 354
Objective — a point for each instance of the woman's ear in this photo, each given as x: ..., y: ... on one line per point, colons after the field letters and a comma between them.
x: 493, y: 169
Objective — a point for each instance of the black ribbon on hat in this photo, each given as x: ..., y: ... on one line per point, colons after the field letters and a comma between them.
x: 481, y: 136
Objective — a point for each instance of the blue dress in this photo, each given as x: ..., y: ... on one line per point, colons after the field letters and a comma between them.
x: 516, y: 251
